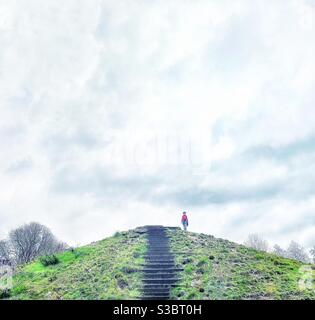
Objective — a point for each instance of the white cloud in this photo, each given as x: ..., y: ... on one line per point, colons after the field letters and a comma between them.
x: 115, y: 114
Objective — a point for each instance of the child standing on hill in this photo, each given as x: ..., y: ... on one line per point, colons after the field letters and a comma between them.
x: 185, y: 221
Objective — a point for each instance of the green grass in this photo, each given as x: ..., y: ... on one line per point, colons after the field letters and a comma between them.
x: 221, y: 270
x: 214, y: 269
x: 103, y: 270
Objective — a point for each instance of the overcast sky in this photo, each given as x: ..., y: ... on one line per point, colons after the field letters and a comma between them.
x: 116, y: 114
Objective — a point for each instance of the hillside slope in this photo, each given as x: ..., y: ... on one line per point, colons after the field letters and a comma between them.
x: 219, y: 269
x: 212, y: 269
x: 108, y: 269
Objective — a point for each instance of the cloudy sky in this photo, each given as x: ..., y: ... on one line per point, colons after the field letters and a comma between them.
x: 115, y: 114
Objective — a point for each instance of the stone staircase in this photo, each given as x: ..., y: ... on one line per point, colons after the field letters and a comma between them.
x: 159, y: 270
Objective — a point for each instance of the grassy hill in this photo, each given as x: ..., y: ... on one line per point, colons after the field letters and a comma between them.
x: 219, y: 269
x: 108, y: 269
x: 213, y: 269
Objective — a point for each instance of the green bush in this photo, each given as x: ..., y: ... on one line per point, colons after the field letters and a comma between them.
x: 5, y: 293
x: 49, y: 260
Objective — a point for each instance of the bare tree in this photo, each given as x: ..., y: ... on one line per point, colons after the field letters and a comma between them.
x: 256, y: 242
x: 312, y: 252
x: 277, y: 250
x: 4, y: 252
x: 297, y: 252
x: 30, y: 241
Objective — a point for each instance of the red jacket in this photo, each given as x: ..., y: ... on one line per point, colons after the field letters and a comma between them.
x: 184, y: 218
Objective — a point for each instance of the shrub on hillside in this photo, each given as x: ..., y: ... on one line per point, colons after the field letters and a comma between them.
x: 5, y: 293
x: 49, y: 260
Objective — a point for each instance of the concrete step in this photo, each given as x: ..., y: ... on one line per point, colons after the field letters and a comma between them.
x: 163, y: 254
x: 162, y: 296
x: 158, y: 265
x: 160, y: 275
x: 157, y: 287
x: 160, y: 271
x: 155, y: 246
x: 158, y: 247
x: 157, y: 297
x: 162, y: 262
x: 156, y: 253
x: 149, y: 262
x: 159, y: 259
x: 158, y: 242
x: 187, y: 253
x: 155, y: 270
x: 159, y: 256
x: 155, y: 291
x: 161, y: 280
